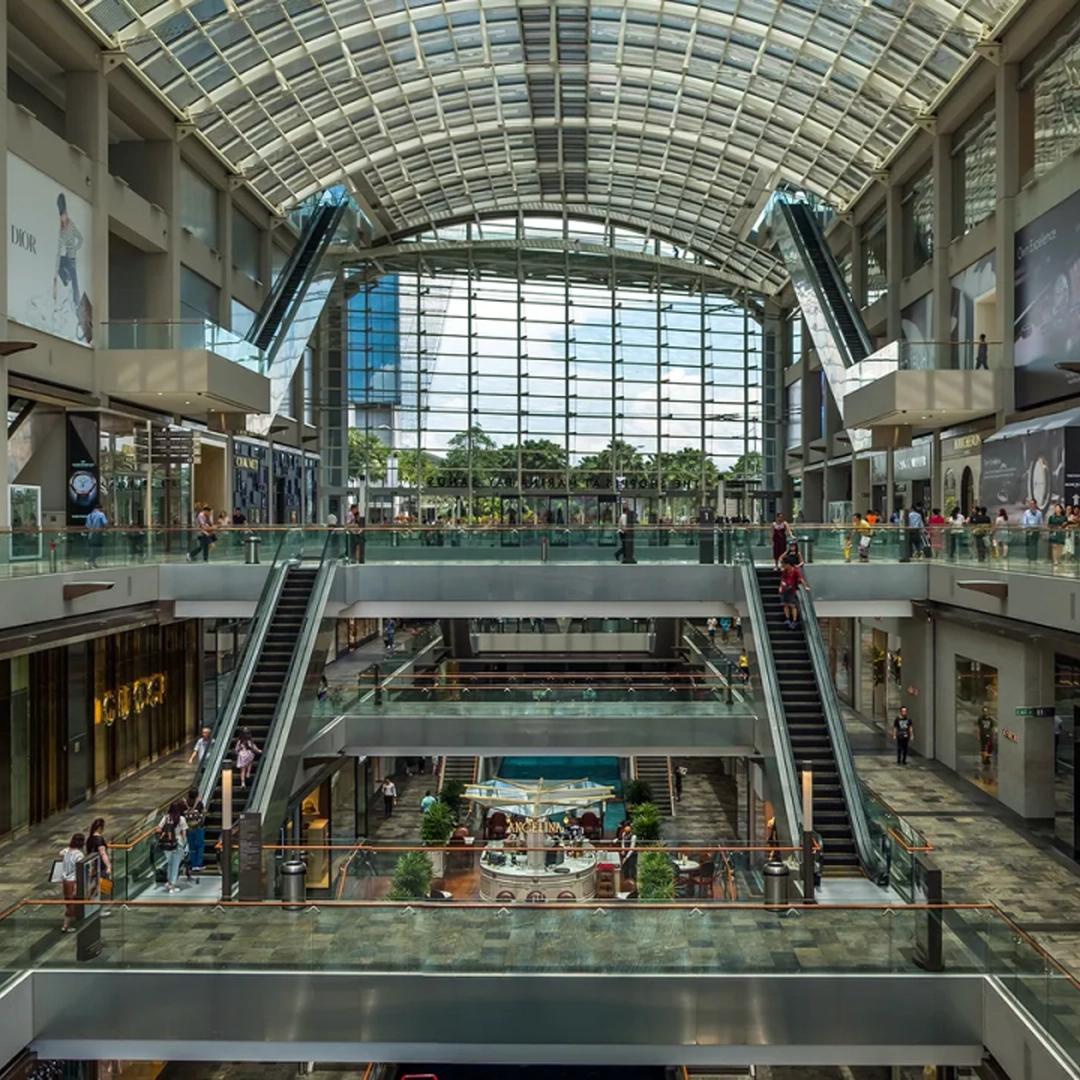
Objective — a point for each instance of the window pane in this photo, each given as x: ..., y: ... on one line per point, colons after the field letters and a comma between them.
x: 199, y: 206
x: 247, y: 243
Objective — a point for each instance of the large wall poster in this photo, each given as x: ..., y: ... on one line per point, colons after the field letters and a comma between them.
x: 50, y: 241
x: 1047, y: 329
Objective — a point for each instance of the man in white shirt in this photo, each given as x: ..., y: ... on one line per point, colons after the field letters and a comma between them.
x: 202, y: 745
x: 389, y: 796
x: 1032, y: 522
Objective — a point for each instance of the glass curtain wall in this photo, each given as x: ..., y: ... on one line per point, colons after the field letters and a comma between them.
x: 517, y: 400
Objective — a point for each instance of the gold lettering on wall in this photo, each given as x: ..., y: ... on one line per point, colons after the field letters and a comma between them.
x: 121, y: 703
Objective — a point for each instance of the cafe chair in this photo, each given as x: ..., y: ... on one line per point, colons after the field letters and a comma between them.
x: 496, y: 826
x: 590, y: 823
x: 706, y: 880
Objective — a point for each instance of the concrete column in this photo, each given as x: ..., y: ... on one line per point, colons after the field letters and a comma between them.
x: 943, y: 233
x: 225, y: 214
x: 890, y: 483
x: 917, y: 692
x: 87, y: 127
x: 813, y: 491
x: 861, y: 487
x: 1007, y: 117
x: 162, y: 173
x: 5, y: 520
x: 937, y: 492
x: 894, y: 257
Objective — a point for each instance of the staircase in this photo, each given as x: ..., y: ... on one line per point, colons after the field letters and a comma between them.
x: 656, y: 772
x: 808, y: 732
x: 459, y: 768
x: 267, y: 685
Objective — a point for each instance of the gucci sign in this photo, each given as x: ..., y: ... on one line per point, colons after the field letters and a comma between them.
x: 119, y: 704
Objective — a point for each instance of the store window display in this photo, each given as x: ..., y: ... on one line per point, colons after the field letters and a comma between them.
x: 977, y: 723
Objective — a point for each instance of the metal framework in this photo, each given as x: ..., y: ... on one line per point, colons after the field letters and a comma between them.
x: 682, y: 114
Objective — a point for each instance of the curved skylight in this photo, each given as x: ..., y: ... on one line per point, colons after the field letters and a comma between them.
x: 681, y: 115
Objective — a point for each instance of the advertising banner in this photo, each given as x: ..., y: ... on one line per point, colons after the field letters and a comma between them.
x: 83, y: 435
x: 1047, y: 328
x: 1039, y: 460
x: 50, y: 240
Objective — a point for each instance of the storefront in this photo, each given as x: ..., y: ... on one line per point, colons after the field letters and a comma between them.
x: 880, y: 670
x: 352, y: 633
x: 251, y: 480
x: 912, y: 472
x: 839, y: 637
x: 311, y: 488
x: 77, y: 718
x: 961, y: 465
x: 290, y: 486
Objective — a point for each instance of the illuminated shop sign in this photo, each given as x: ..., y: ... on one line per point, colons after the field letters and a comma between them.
x: 119, y: 704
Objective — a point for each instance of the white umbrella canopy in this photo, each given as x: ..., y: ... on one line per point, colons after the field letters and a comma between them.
x: 538, y: 798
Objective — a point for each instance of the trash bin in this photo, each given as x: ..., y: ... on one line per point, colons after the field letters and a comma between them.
x: 807, y: 545
x: 776, y: 882
x: 251, y: 549
x: 294, y: 885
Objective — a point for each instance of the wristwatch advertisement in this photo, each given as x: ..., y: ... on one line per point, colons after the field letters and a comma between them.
x: 83, y: 433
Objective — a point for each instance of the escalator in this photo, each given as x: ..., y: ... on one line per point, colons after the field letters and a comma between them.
x: 807, y: 731
x: 260, y: 702
x: 812, y: 265
x: 279, y: 310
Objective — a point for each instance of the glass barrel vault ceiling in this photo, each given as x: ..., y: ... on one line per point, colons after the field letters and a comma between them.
x: 683, y: 114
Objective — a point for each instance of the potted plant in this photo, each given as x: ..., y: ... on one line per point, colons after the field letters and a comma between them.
x: 412, y: 877
x: 436, y: 828
x: 646, y: 822
x: 655, y: 876
x: 636, y: 792
x: 452, y: 794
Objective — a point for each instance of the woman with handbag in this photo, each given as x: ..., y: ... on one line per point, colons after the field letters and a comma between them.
x: 70, y: 857
x: 172, y: 840
x: 97, y: 844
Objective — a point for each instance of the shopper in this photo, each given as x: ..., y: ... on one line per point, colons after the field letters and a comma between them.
x: 955, y: 535
x: 427, y: 802
x: 172, y: 840
x: 793, y: 556
x: 677, y: 774
x: 861, y: 535
x: 710, y: 629
x: 781, y: 534
x: 981, y: 528
x: 624, y: 531
x: 96, y: 844
x: 1032, y: 522
x: 903, y: 732
x: 915, y: 525
x: 986, y: 727
x: 791, y: 577
x: 1057, y: 522
x: 200, y: 750
x: 1002, y: 534
x: 96, y: 524
x: 626, y: 841
x: 70, y: 857
x: 389, y: 630
x: 936, y: 528
x: 195, y: 816
x: 982, y: 354
x: 245, y: 754
x: 389, y: 797
x: 204, y: 535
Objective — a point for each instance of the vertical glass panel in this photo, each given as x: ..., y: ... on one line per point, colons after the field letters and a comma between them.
x: 874, y: 239
x: 975, y: 176
x: 199, y: 206
x: 199, y: 299
x: 918, y: 217
x: 1057, y: 110
x: 977, y: 723
x: 246, y: 246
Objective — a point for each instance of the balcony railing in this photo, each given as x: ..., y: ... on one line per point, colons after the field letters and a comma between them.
x: 152, y: 334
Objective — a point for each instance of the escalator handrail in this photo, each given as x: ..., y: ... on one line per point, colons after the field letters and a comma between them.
x: 869, y: 854
x: 313, y: 235
x: 277, y: 737
x: 787, y: 211
x: 774, y: 703
x: 225, y: 726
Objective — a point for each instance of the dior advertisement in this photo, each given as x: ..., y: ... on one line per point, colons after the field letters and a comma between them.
x: 1047, y: 329
x: 1033, y: 461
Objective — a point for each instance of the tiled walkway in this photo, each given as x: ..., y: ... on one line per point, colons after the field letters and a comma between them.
x: 985, y: 851
x: 27, y: 861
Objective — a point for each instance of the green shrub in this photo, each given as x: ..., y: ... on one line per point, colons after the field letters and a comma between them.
x: 637, y: 792
x: 452, y: 795
x: 412, y: 877
x: 655, y: 876
x: 437, y: 826
x: 646, y: 821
